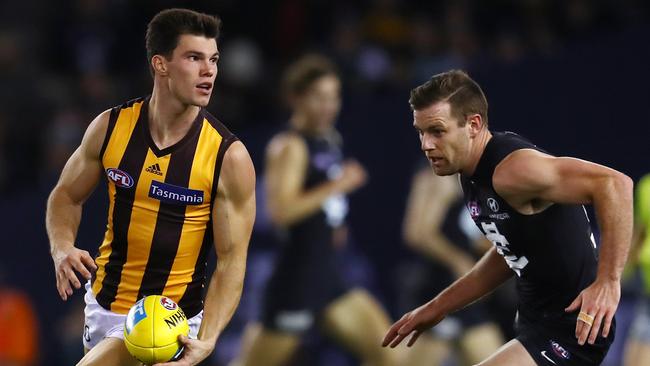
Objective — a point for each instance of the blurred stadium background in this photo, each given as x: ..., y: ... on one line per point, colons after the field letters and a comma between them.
x: 571, y: 75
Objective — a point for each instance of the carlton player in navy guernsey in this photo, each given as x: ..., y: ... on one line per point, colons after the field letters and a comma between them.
x: 529, y: 205
x: 307, y: 180
x: 179, y: 184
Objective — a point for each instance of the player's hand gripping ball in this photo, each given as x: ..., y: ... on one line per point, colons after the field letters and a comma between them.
x: 152, y: 327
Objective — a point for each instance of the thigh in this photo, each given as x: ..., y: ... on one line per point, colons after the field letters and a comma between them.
x: 637, y: 353
x: 479, y: 342
x: 262, y: 346
x: 428, y: 351
x: 358, y: 322
x: 109, y: 352
x: 512, y: 353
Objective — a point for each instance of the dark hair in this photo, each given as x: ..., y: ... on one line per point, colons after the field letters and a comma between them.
x: 167, y: 26
x: 456, y: 87
x: 301, y: 74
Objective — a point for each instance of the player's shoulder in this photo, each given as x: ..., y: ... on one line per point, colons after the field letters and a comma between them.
x: 96, y: 132
x: 520, y: 163
x: 238, y: 172
x: 286, y: 142
x: 218, y: 126
x: 131, y: 103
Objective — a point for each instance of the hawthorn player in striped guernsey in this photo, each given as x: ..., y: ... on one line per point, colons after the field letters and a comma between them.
x: 179, y: 184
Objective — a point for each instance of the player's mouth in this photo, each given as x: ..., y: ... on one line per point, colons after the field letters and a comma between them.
x: 435, y: 161
x: 204, y: 88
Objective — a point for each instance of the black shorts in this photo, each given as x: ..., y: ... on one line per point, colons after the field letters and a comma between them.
x: 295, y: 296
x: 423, y: 282
x: 551, y: 340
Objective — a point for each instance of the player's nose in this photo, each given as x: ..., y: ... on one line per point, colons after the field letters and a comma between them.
x: 427, y: 143
x: 208, y: 69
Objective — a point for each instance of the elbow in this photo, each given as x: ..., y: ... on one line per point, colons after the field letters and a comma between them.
x: 57, y: 194
x: 281, y: 218
x: 624, y: 185
x: 413, y: 238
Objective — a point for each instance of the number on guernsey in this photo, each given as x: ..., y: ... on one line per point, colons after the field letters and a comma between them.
x: 501, y: 243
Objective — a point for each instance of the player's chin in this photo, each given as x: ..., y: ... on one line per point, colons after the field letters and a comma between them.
x: 442, y: 171
x: 201, y: 101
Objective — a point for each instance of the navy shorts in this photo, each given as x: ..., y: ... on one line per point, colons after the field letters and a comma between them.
x: 550, y: 340
x: 423, y: 282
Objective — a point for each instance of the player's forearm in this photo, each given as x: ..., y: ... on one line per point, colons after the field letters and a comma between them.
x: 306, y: 204
x: 222, y: 297
x: 62, y: 219
x: 613, y: 205
x: 488, y: 273
x: 442, y: 250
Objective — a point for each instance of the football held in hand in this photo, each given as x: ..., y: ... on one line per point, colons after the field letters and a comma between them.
x: 152, y: 328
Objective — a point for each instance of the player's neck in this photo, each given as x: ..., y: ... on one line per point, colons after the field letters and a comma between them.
x: 300, y: 123
x: 476, y: 151
x: 169, y: 119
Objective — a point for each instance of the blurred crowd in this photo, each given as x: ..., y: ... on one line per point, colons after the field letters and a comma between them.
x: 62, y: 63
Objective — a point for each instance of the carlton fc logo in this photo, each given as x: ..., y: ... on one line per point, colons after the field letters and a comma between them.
x: 474, y: 209
x: 493, y: 204
x: 120, y: 178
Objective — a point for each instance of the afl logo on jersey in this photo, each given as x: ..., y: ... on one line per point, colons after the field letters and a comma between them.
x: 120, y: 178
x: 493, y: 204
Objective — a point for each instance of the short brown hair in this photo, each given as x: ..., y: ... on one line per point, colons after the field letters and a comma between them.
x: 456, y: 87
x: 167, y: 26
x: 301, y: 74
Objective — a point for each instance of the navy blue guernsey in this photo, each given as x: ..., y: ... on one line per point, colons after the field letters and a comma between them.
x: 553, y: 252
x: 306, y: 268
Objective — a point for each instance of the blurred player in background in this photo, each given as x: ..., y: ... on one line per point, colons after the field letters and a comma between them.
x: 307, y: 180
x: 638, y: 344
x: 438, y: 227
x: 179, y: 184
x: 529, y: 204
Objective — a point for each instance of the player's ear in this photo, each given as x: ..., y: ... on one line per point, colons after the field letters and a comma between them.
x: 159, y: 65
x: 475, y: 124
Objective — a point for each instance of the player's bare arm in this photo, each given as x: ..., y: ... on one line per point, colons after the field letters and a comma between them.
x: 530, y: 180
x: 233, y: 218
x: 287, y: 160
x: 488, y: 273
x: 428, y: 201
x: 78, y: 179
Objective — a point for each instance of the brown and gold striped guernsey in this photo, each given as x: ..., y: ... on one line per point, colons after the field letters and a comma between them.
x: 159, y: 229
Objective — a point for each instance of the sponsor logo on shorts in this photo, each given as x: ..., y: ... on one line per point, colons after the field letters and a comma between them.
x: 559, y: 350
x: 135, y: 316
x: 119, y: 177
x: 86, y: 333
x: 170, y: 193
x: 167, y: 303
x: 548, y: 358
